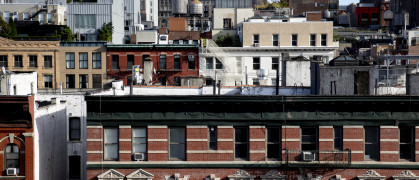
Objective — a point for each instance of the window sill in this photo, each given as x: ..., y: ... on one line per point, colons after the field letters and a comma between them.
x: 32, y: 67
x: 18, y: 67
x: 12, y: 177
x: 47, y: 67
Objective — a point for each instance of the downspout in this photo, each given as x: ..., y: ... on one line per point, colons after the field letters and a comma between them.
x: 55, y: 71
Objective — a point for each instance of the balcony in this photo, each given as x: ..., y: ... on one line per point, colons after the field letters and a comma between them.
x: 337, y: 158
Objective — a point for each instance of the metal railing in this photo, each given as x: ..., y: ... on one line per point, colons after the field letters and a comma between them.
x: 335, y: 158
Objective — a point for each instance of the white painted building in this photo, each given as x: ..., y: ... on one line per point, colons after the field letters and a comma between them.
x: 53, y: 14
x: 60, y: 137
x: 85, y: 18
x: 149, y: 12
x: 18, y: 83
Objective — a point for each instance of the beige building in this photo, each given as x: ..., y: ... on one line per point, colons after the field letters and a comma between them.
x: 83, y: 65
x: 54, y: 14
x: 40, y: 56
x: 230, y: 20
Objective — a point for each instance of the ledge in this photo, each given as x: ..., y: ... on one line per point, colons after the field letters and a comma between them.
x: 12, y: 177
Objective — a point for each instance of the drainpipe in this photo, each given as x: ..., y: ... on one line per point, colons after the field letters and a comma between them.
x: 55, y: 71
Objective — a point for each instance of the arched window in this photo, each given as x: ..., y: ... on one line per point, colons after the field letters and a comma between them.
x: 12, y: 156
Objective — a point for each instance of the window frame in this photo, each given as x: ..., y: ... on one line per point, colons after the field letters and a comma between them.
x: 67, y: 81
x: 377, y: 144
x: 218, y: 64
x: 191, y: 62
x: 7, y: 158
x: 18, y: 59
x: 256, y: 64
x: 163, y: 61
x: 110, y: 143
x: 48, y: 84
x: 48, y: 61
x: 94, y: 83
x: 243, y: 143
x: 227, y: 23
x: 74, y: 131
x: 338, y: 140
x: 4, y: 61
x: 411, y: 143
x: 278, y: 143
x: 177, y: 65
x: 209, y: 63
x: 96, y: 60
x: 212, y: 138
x: 33, y: 61
x: 294, y: 41
x: 316, y: 138
x: 323, y: 41
x: 256, y: 38
x: 275, y: 65
x: 170, y: 143
x: 313, y: 39
x: 75, y: 172
x: 82, y: 83
x: 140, y: 143
x: 83, y: 63
x: 70, y: 60
x: 275, y: 42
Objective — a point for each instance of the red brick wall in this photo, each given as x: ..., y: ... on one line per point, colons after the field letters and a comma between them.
x: 389, y: 143
x: 353, y: 138
x: 123, y: 73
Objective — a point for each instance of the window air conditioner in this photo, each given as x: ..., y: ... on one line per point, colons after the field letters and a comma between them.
x: 308, y: 156
x: 256, y: 45
x: 139, y: 156
x: 11, y: 171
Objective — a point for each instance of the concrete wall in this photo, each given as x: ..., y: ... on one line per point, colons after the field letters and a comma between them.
x: 298, y: 73
x: 52, y: 124
x: 58, y: 12
x: 19, y: 84
x: 344, y: 78
x: 413, y: 84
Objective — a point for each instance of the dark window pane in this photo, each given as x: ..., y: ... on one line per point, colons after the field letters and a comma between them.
x: 115, y: 62
x: 74, y: 171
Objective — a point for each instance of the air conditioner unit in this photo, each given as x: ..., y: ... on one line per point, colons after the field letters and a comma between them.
x: 308, y: 156
x: 256, y: 45
x: 139, y: 156
x: 11, y: 171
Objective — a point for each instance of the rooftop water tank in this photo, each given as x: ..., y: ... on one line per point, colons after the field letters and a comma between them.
x: 388, y: 15
x: 195, y: 8
x: 179, y: 7
x: 326, y: 14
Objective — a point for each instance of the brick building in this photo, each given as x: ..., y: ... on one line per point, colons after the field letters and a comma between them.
x: 368, y: 15
x: 17, y: 137
x: 230, y: 137
x: 173, y: 63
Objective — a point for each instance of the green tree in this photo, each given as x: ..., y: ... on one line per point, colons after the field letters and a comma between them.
x: 105, y: 34
x: 5, y: 28
x: 67, y: 35
x: 228, y: 40
x: 13, y: 30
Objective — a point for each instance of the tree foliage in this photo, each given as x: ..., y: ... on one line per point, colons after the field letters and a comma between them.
x: 273, y: 5
x: 105, y: 34
x: 67, y: 35
x: 5, y: 28
x: 228, y: 41
x: 13, y: 30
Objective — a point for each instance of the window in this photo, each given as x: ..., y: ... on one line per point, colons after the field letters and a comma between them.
x: 97, y: 80
x: 177, y: 143
x: 69, y: 59
x: 256, y: 82
x: 162, y: 61
x: 139, y: 141
x: 83, y: 61
x: 96, y: 60
x: 312, y: 40
x: 111, y: 144
x: 33, y: 61
x: 74, y: 129
x: 48, y: 81
x: 18, y: 61
x: 275, y: 63
x: 274, y: 143
x: 70, y: 81
x: 212, y: 137
x: 218, y: 64
x: 210, y: 62
x: 294, y: 40
x: 47, y: 61
x: 255, y: 38
x: 364, y: 19
x: 6, y: 16
x: 338, y: 137
x: 49, y: 18
x: 41, y: 18
x: 372, y: 145
x: 227, y: 23
x: 191, y: 61
x: 74, y: 165
x: 323, y: 39
x: 25, y: 16
x: 241, y: 143
x: 275, y: 40
x: 374, y: 19
x: 3, y: 61
x: 130, y: 61
x: 309, y: 138
x: 407, y: 147
x: 177, y: 61
x: 115, y: 61
x: 83, y: 81
x: 176, y: 81
x: 85, y: 21
x: 256, y: 63
x: 12, y: 156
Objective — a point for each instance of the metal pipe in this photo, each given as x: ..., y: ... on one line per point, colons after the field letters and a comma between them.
x: 245, y: 68
x: 219, y: 87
